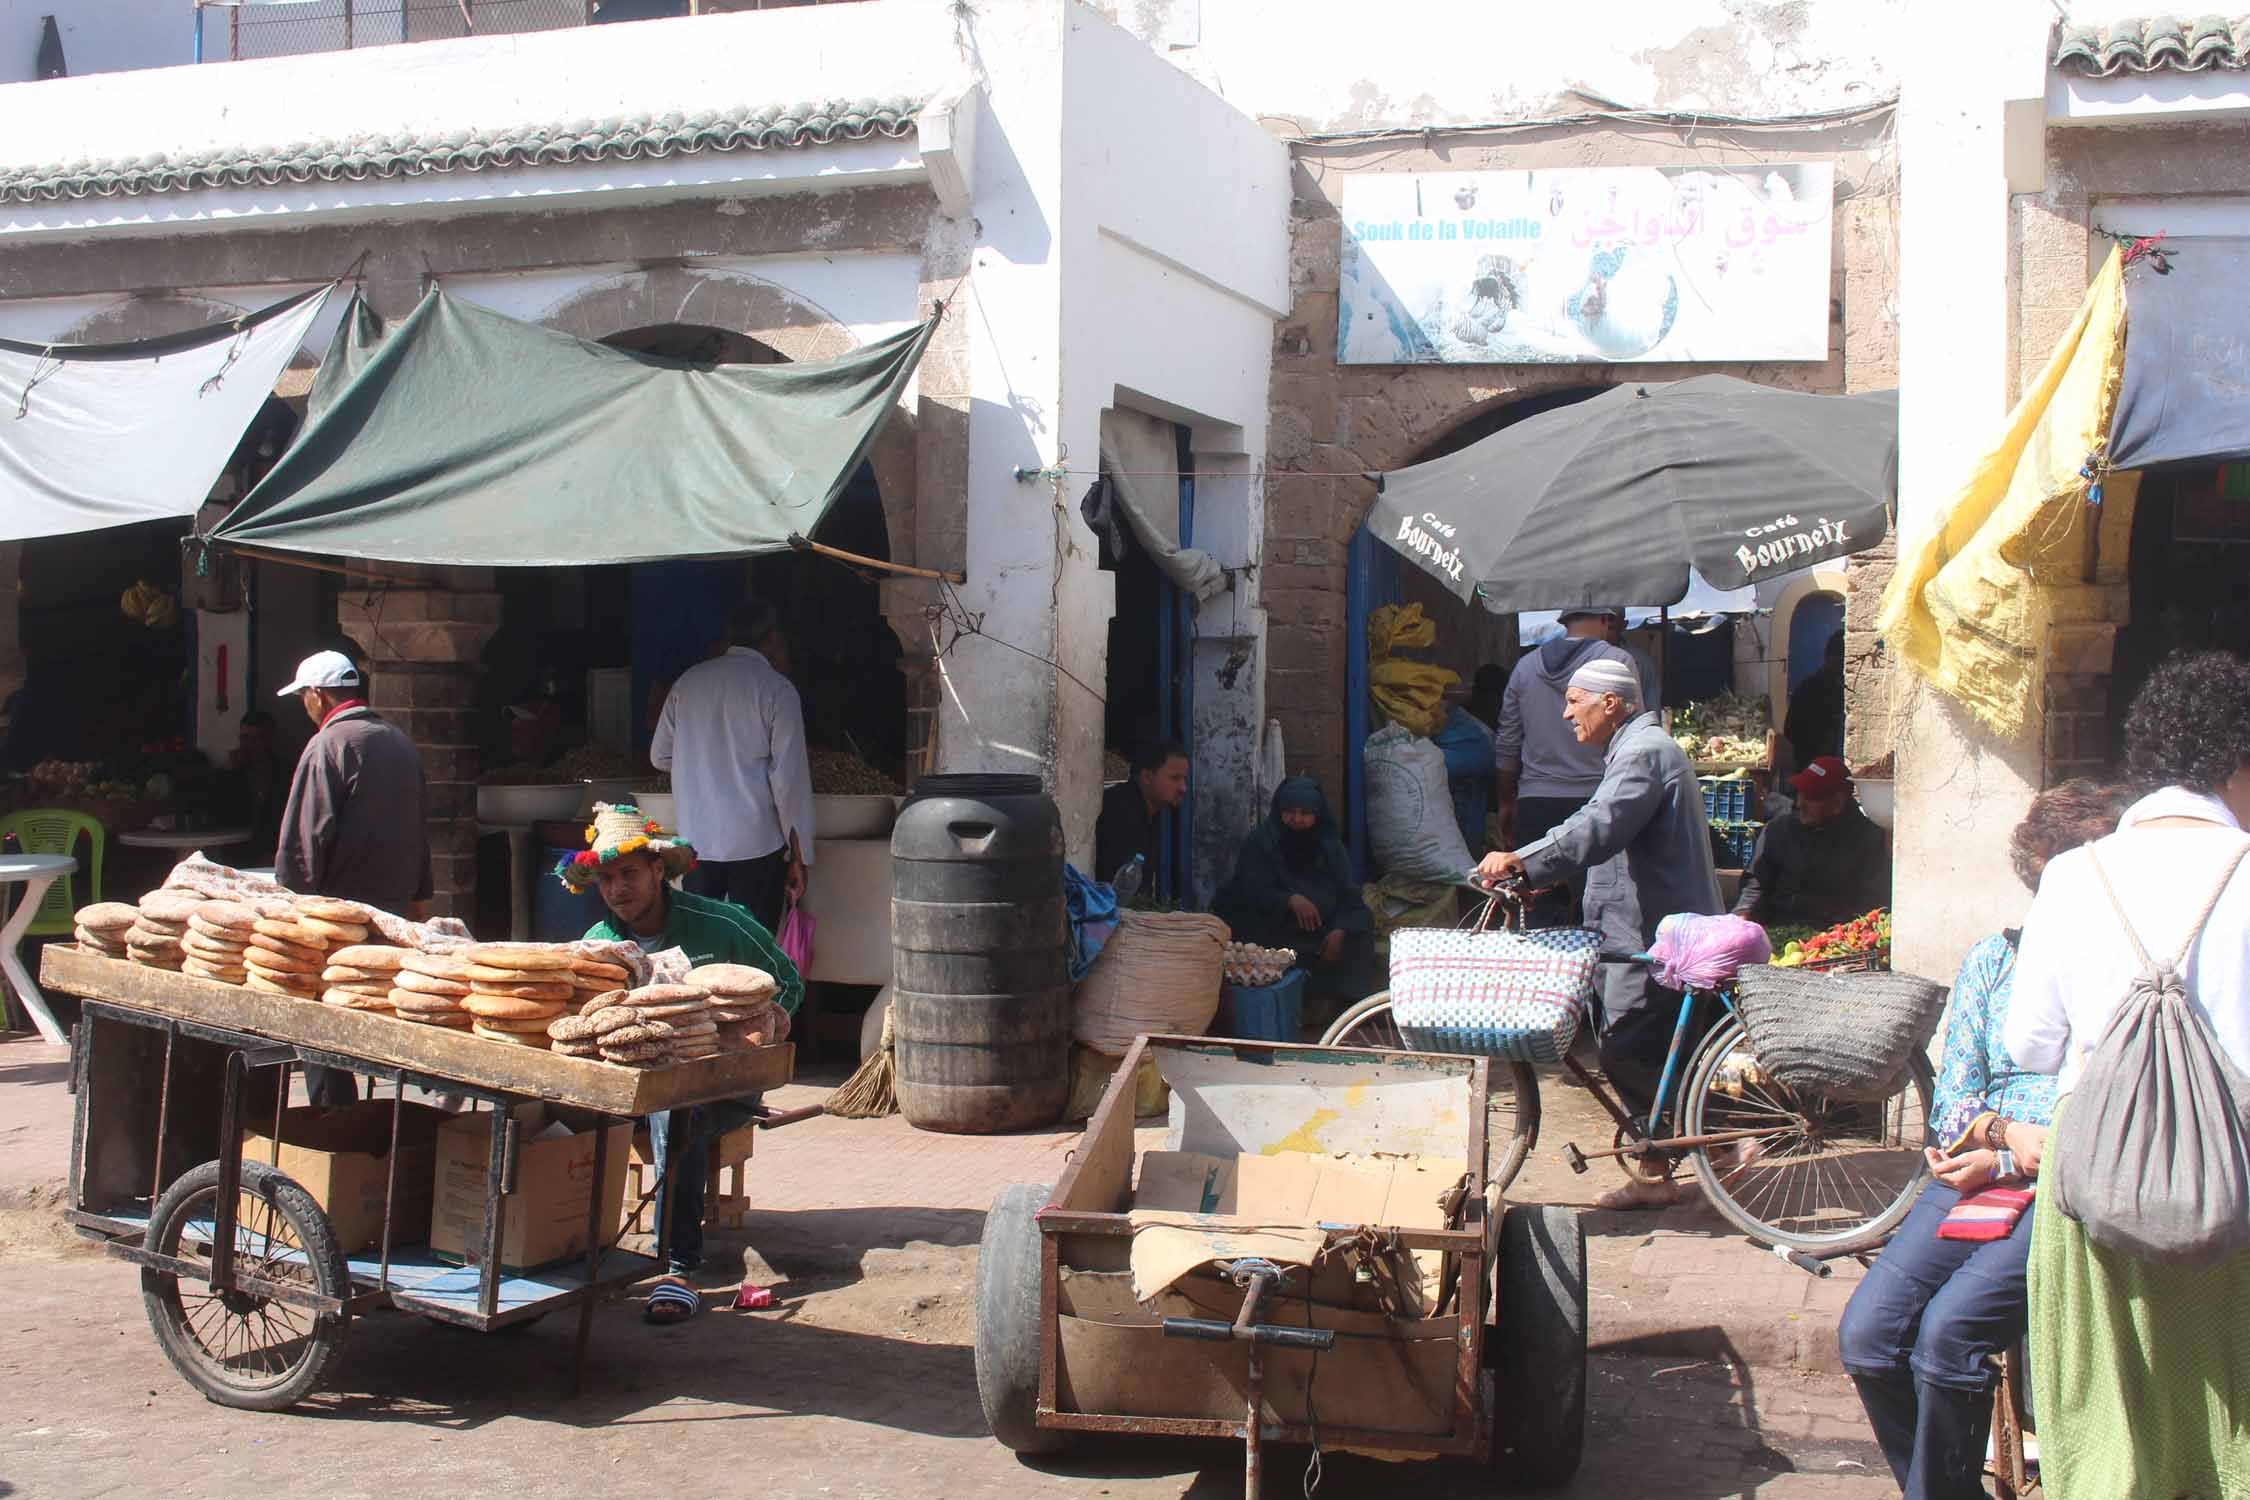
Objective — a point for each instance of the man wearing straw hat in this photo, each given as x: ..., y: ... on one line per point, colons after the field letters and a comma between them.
x: 632, y: 860
x: 1645, y: 849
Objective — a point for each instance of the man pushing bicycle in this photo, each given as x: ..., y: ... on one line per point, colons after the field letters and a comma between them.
x: 1645, y: 850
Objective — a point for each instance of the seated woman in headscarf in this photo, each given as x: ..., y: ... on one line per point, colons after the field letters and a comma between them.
x: 1293, y: 888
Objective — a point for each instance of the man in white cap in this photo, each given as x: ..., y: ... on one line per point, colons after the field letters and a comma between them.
x: 1645, y: 851
x: 354, y: 825
x: 1546, y: 772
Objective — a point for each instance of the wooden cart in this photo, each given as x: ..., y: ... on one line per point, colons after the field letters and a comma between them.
x: 246, y: 1286
x: 1079, y: 1329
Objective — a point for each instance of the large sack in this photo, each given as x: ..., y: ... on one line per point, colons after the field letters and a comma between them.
x: 1410, y: 824
x: 1159, y: 971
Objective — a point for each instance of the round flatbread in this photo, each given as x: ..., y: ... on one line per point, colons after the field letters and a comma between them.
x: 217, y: 973
x: 224, y: 915
x: 334, y: 932
x: 257, y: 981
x: 738, y: 980
x: 511, y: 1007
x: 424, y: 984
x: 515, y: 1023
x: 685, y: 1011
x: 605, y: 1001
x: 358, y: 987
x: 329, y: 909
x: 519, y: 989
x: 150, y: 925
x: 291, y: 932
x: 174, y: 907
x: 429, y: 1005
x: 237, y: 938
x: 337, y: 973
x: 734, y: 1015
x: 107, y: 917
x: 689, y: 1025
x: 281, y: 948
x: 381, y: 957
x: 282, y: 963
x: 98, y: 943
x: 668, y: 994
x: 634, y: 1036
x: 520, y: 957
x: 514, y: 1038
x: 451, y: 1020
x: 571, y: 1028
x: 616, y: 1018
x: 575, y: 1049
x: 436, y: 965
x: 139, y: 941
x: 150, y: 961
x: 645, y: 1055
x: 593, y: 970
x: 355, y: 1000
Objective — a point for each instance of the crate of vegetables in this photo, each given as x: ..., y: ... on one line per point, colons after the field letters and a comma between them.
x: 1859, y: 946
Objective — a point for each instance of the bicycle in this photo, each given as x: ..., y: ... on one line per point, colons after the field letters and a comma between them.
x: 1808, y: 1172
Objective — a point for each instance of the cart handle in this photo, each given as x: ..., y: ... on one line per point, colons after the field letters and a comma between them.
x: 1321, y: 1339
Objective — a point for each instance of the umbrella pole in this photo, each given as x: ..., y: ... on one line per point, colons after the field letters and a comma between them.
x: 1663, y: 649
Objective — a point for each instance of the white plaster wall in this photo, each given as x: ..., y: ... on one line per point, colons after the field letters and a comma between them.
x: 98, y: 36
x: 1341, y: 64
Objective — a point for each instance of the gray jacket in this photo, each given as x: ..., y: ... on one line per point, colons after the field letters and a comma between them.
x: 1532, y: 737
x: 356, y: 827
x: 1642, y: 842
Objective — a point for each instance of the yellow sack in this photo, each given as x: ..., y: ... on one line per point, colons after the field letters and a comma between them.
x: 1408, y: 693
x: 1971, y: 601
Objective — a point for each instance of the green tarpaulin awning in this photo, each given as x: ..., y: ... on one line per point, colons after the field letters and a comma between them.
x: 462, y: 436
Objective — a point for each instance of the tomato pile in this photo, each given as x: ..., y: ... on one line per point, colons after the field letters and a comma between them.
x: 1868, y: 934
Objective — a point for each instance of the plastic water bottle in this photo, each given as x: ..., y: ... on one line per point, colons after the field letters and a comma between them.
x: 1126, y: 883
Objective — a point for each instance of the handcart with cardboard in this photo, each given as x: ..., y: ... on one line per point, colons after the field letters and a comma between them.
x: 251, y: 1277
x: 1307, y: 1254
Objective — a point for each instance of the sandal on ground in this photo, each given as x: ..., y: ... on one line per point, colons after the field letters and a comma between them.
x: 1638, y: 1197
x: 671, y: 1301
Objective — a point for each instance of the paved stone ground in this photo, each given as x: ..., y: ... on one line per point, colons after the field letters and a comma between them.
x: 860, y: 1382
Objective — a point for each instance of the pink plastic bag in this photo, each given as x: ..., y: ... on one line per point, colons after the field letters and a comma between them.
x: 1698, y: 953
x: 796, y: 937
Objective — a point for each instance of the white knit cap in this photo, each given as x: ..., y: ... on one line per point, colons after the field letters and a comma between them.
x: 1606, y: 674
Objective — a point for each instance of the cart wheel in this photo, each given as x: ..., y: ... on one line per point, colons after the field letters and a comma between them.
x: 1537, y: 1349
x: 239, y: 1349
x: 1008, y: 1322
x: 1511, y: 1127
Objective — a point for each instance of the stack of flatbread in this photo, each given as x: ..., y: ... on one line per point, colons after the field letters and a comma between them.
x: 429, y: 988
x: 516, y: 989
x: 285, y: 957
x: 218, y: 936
x: 742, y: 1004
x: 360, y: 976
x: 154, y: 937
x: 591, y: 976
x: 650, y: 1027
x: 101, y: 928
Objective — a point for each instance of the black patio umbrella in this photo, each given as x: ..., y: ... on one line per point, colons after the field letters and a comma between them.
x: 1613, y: 499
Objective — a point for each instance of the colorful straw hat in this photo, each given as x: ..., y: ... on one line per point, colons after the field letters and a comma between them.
x: 619, y: 829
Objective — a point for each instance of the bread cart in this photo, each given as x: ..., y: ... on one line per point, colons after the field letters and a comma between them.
x: 246, y: 1286
x: 1310, y: 1257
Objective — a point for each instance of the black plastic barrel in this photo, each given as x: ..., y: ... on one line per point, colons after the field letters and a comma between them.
x: 980, y: 998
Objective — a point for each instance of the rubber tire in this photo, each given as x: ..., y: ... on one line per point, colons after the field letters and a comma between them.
x: 1536, y: 1349
x: 1008, y: 1322
x: 1723, y: 1039
x: 159, y: 1289
x: 1503, y: 1159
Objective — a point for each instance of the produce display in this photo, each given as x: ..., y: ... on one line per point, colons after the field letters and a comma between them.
x: 1867, y: 935
x: 837, y: 774
x: 1727, y: 730
x: 595, y: 761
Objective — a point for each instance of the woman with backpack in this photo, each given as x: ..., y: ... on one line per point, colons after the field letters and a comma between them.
x: 1947, y: 1294
x: 2132, y: 986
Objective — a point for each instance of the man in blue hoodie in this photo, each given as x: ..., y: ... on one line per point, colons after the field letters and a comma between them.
x: 1545, y: 772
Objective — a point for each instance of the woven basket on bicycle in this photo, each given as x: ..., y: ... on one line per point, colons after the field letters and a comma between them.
x: 1848, y: 1036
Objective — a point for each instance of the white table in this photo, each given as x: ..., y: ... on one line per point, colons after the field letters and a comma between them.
x: 184, y: 839
x: 34, y: 872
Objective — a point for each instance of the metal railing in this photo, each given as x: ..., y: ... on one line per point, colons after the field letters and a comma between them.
x: 230, y: 30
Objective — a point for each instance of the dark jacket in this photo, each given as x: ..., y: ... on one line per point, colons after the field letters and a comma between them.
x: 1822, y: 875
x: 356, y: 824
x: 1123, y: 830
x: 1255, y: 903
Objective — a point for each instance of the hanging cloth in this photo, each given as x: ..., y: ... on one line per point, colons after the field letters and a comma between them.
x: 1140, y: 463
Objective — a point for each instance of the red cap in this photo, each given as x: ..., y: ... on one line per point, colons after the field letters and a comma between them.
x: 1825, y: 777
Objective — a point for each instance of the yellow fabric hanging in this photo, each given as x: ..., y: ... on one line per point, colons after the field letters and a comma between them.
x: 2018, y: 550
x: 1408, y: 693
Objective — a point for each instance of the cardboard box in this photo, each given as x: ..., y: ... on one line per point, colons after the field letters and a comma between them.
x: 544, y: 1219
x: 342, y: 1157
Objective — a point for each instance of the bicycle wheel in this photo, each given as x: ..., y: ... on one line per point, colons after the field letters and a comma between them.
x: 1828, y: 1175
x: 1511, y: 1125
x: 238, y: 1348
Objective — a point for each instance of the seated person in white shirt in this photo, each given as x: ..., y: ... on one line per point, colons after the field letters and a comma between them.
x: 733, y: 736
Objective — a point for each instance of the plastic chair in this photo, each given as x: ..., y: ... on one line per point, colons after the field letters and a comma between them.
x: 53, y: 830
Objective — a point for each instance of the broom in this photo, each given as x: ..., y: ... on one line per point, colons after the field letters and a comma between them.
x: 869, y: 1094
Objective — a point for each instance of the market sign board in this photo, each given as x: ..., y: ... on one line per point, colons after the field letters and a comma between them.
x: 1587, y: 265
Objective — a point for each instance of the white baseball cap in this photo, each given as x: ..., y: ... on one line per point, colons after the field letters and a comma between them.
x: 322, y: 669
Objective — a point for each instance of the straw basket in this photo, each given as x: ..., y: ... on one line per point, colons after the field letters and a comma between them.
x: 1848, y: 1036
x: 1159, y: 971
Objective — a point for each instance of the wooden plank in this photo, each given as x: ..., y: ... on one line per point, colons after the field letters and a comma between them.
x: 1099, y: 1178
x: 587, y: 1083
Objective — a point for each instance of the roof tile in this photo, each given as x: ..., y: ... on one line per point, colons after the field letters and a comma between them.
x: 2151, y: 44
x: 375, y: 156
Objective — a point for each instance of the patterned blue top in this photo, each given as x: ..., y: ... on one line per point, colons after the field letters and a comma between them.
x: 1976, y: 1072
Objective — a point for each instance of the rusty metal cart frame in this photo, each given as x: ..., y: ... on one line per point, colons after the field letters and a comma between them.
x: 195, y: 1083
x: 1083, y: 1221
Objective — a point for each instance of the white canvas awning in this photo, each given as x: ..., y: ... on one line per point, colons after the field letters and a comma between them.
x: 99, y: 435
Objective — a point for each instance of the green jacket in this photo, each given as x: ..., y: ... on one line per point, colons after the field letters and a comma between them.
x: 714, y: 932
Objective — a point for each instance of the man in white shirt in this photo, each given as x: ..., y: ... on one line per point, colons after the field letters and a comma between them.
x: 733, y: 736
